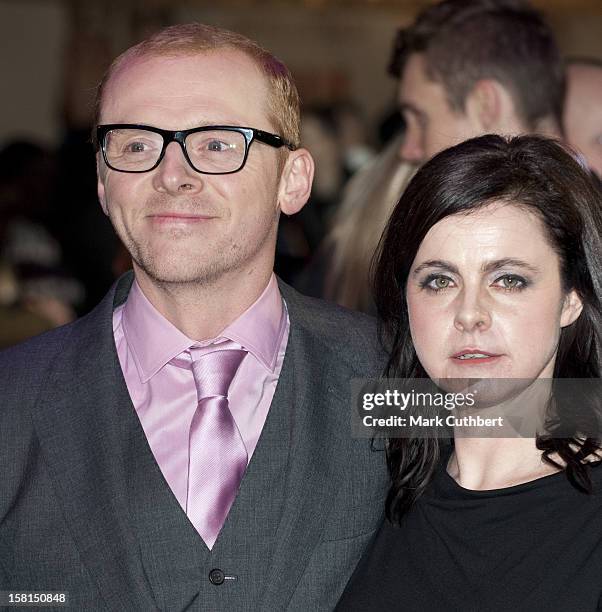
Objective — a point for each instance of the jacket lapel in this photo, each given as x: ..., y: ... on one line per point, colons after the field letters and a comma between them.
x: 320, y: 425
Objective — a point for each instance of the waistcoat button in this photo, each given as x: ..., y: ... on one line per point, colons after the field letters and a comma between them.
x: 216, y: 576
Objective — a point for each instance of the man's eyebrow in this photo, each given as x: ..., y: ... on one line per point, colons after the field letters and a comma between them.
x: 492, y: 266
x: 211, y: 122
x: 215, y: 122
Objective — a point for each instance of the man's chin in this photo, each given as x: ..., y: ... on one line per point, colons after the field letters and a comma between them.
x: 175, y: 273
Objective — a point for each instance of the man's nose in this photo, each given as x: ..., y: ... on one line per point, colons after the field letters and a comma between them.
x: 175, y: 175
x: 473, y: 311
x: 412, y: 149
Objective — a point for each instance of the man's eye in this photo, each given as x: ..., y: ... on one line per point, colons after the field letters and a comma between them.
x: 510, y: 282
x: 135, y: 147
x: 218, y: 146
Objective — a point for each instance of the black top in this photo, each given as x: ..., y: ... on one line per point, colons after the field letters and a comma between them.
x: 534, y: 546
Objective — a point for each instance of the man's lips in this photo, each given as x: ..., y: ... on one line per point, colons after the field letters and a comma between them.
x: 176, y: 217
x: 474, y: 355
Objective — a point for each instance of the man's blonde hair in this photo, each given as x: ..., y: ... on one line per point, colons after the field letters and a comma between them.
x: 192, y: 38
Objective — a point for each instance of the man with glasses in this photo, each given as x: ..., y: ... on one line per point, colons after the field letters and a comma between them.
x: 187, y: 445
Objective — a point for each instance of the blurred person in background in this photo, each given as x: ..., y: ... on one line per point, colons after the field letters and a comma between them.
x: 338, y: 140
x: 346, y: 254
x: 339, y: 269
x: 38, y: 292
x: 465, y: 68
x: 473, y: 67
x: 88, y: 242
x: 91, y: 249
x: 354, y: 138
x: 583, y: 109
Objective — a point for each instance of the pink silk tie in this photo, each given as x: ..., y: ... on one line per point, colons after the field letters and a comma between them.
x: 217, y: 454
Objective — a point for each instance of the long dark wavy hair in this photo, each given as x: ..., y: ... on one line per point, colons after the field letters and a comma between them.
x: 543, y: 177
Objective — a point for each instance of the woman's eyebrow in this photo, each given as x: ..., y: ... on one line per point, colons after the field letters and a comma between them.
x: 438, y: 264
x: 492, y: 266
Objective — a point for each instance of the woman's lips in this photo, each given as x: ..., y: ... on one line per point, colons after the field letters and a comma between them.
x: 474, y: 356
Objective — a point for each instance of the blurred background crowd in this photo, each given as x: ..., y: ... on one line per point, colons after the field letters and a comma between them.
x: 58, y: 252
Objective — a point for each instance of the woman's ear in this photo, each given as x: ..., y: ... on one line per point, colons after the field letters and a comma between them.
x: 295, y: 181
x: 571, y: 308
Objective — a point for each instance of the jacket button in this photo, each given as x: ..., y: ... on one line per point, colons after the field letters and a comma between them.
x: 216, y: 576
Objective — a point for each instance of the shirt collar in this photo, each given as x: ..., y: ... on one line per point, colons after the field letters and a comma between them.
x: 154, y: 341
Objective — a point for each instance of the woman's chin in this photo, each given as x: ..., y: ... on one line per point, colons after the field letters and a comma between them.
x: 458, y: 369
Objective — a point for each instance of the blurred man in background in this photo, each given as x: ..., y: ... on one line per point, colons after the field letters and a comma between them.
x: 471, y: 67
x: 583, y: 110
x: 465, y: 68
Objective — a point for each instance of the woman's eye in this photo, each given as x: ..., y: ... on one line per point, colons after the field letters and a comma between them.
x: 437, y: 283
x: 510, y: 282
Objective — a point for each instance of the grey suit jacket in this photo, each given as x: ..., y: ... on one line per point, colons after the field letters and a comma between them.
x: 84, y: 507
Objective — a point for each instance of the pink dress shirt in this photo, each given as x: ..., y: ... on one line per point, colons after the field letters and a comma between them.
x: 155, y: 360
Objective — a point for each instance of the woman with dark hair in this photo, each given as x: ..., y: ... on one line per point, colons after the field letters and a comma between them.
x: 491, y: 268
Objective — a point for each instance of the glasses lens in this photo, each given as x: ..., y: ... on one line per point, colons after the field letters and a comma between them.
x: 216, y: 150
x: 132, y: 150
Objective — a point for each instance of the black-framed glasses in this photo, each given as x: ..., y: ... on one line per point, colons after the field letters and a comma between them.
x: 213, y: 149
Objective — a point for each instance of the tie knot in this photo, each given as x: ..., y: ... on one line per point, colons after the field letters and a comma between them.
x: 213, y: 372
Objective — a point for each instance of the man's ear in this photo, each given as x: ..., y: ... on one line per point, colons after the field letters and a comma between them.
x: 491, y: 108
x: 571, y: 308
x: 101, y: 172
x: 295, y: 181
